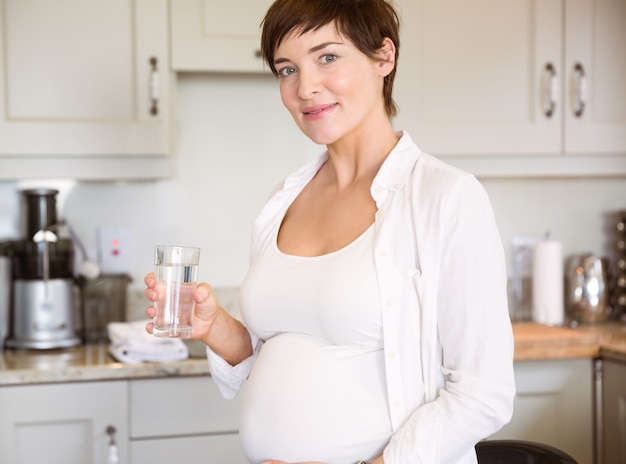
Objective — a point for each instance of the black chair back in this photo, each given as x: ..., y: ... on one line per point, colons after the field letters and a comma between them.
x: 520, y: 452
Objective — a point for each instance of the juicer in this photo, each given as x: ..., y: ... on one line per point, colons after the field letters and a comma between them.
x: 42, y: 288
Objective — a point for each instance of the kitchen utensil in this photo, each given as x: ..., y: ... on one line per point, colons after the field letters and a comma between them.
x: 44, y: 293
x: 586, y: 291
x: 103, y: 301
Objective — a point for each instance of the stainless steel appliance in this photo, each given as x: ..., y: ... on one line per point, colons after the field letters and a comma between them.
x: 5, y: 292
x: 42, y: 287
x: 586, y: 289
x: 619, y: 275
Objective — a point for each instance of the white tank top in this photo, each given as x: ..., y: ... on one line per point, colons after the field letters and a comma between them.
x: 317, y: 391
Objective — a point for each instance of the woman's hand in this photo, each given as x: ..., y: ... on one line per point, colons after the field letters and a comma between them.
x: 378, y: 460
x: 205, y: 311
x: 283, y: 462
x: 212, y: 324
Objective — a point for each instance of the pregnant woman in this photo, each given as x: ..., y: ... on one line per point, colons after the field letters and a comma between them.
x: 374, y: 314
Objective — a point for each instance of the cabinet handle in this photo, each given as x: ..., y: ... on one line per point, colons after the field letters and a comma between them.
x: 154, y: 86
x: 581, y: 90
x: 550, y: 90
x: 114, y: 457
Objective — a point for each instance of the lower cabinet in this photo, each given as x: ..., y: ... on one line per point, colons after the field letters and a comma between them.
x: 218, y: 449
x: 69, y: 423
x: 183, y: 420
x: 614, y: 412
x: 176, y: 419
x: 554, y: 405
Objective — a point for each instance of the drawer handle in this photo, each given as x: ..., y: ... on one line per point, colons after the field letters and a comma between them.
x: 581, y: 90
x: 113, y: 457
x: 154, y: 86
x: 551, y: 90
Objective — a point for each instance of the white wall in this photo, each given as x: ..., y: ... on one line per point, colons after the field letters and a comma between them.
x: 234, y: 143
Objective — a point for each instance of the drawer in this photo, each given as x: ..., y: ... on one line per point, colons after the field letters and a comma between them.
x: 218, y: 449
x: 180, y: 406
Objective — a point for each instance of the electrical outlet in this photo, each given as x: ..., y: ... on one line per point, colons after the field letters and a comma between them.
x: 114, y: 250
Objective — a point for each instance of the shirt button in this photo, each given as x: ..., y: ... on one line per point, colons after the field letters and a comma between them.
x: 396, y: 186
x: 380, y: 213
x: 383, y: 253
x: 389, y: 303
x: 397, y: 403
x: 393, y: 354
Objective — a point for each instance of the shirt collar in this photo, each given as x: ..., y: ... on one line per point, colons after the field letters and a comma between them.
x: 395, y: 170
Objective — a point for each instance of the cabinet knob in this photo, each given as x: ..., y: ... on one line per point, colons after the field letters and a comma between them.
x: 580, y: 90
x: 113, y: 457
x: 550, y: 90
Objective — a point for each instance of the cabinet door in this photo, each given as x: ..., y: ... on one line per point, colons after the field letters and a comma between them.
x: 218, y: 449
x: 473, y: 76
x: 83, y: 79
x: 554, y: 405
x: 595, y: 68
x: 180, y: 406
x: 62, y: 423
x: 614, y: 412
x: 217, y: 35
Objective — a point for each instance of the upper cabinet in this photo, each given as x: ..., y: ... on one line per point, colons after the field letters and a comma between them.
x: 217, y: 35
x: 86, y: 85
x: 594, y: 71
x: 513, y: 88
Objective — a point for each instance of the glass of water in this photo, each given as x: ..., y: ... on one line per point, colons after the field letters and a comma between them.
x: 176, y: 269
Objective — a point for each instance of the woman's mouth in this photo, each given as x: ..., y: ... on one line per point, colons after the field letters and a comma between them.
x: 318, y: 111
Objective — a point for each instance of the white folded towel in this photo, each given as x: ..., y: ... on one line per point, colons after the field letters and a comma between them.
x: 131, y: 344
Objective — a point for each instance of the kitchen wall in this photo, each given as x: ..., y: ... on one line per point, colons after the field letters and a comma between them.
x: 234, y: 143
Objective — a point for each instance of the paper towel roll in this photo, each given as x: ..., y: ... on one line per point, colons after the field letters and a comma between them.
x: 548, y: 306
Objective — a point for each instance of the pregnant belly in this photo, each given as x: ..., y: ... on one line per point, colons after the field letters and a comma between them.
x: 307, y: 400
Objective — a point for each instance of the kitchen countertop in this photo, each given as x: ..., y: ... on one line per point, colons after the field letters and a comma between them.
x: 85, y: 363
x: 535, y: 341
x: 92, y: 362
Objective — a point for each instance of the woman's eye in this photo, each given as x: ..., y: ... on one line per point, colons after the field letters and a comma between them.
x: 286, y: 71
x: 329, y: 58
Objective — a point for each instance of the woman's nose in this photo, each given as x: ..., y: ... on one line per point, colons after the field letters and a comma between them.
x: 308, y: 84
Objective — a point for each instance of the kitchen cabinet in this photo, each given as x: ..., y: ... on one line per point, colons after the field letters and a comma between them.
x: 84, y: 89
x: 531, y: 87
x: 63, y: 423
x: 151, y: 420
x: 217, y: 35
x: 613, y: 412
x: 554, y: 405
x: 183, y: 419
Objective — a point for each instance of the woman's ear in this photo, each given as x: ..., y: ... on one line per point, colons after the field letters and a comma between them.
x: 386, y: 57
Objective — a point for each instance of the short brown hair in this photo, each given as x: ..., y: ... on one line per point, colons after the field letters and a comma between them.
x: 365, y: 22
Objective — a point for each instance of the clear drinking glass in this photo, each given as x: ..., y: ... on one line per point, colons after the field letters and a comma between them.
x: 176, y: 270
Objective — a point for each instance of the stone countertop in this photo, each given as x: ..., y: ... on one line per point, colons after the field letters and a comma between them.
x: 93, y: 363
x: 85, y: 363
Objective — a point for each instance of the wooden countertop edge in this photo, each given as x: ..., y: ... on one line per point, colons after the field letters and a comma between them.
x: 535, y: 342
x: 555, y: 351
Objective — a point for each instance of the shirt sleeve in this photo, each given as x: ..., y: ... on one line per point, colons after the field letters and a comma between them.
x: 228, y: 378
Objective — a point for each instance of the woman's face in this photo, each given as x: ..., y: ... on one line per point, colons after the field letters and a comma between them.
x: 331, y: 89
